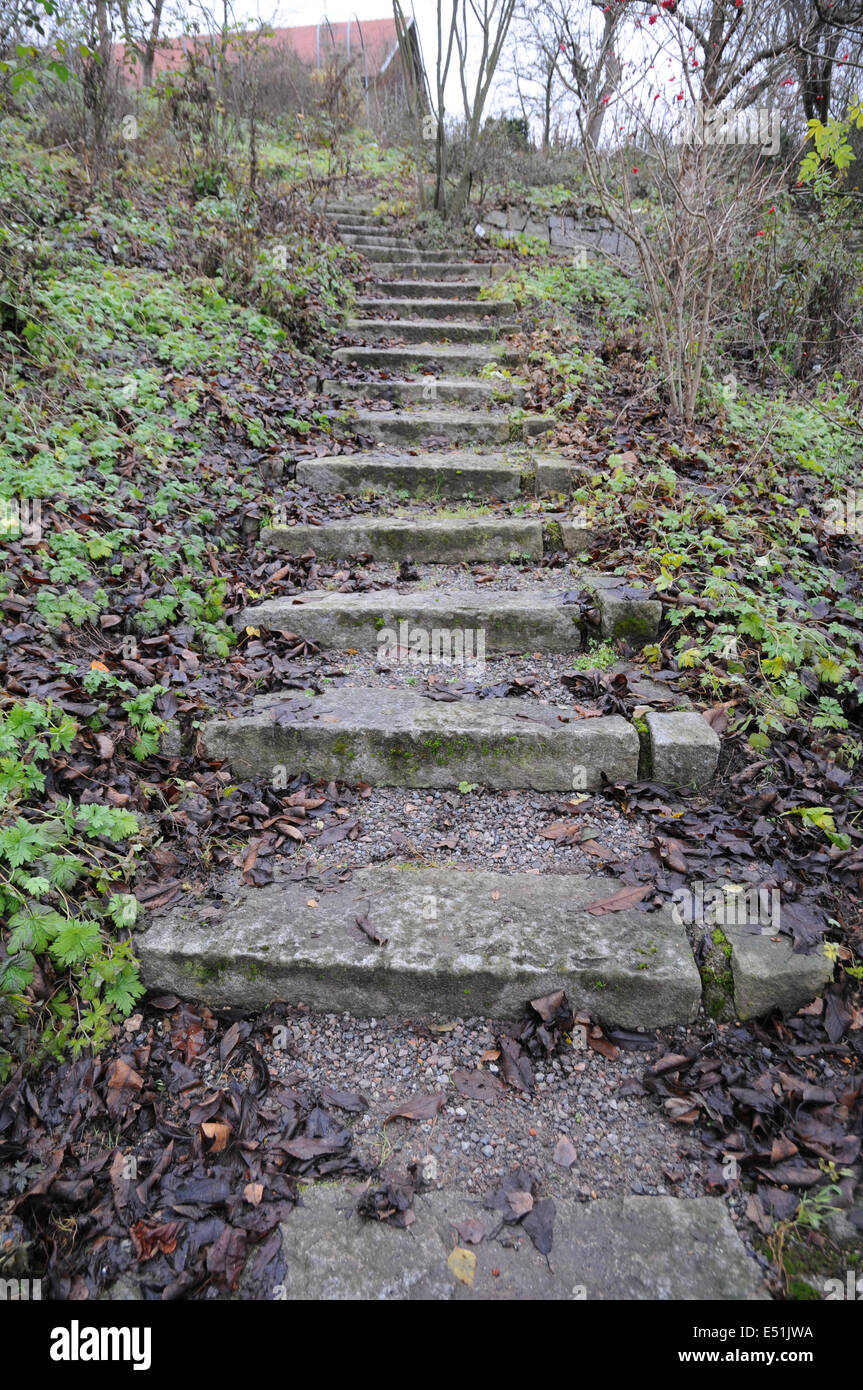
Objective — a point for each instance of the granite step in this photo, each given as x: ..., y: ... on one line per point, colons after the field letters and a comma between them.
x: 400, y: 255
x: 434, y: 289
x: 456, y: 474
x: 434, y: 539
x: 417, y: 268
x: 362, y: 241
x: 527, y: 620
x: 400, y: 738
x: 427, y: 390
x: 450, y: 358
x: 424, y: 539
x: 452, y: 427
x: 389, y: 469
x: 363, y: 206
x: 424, y: 330
x: 458, y: 943
x: 371, y: 227
x: 434, y: 308
x: 616, y: 1249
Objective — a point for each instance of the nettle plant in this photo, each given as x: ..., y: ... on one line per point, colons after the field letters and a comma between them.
x: 67, y: 971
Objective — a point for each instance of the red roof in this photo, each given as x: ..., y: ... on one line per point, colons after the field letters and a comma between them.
x: 372, y: 42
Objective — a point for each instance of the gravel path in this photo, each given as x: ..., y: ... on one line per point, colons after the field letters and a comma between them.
x: 620, y: 1142
x: 497, y: 831
x: 539, y: 674
x: 552, y: 580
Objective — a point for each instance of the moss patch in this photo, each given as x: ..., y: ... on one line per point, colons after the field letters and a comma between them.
x: 717, y: 981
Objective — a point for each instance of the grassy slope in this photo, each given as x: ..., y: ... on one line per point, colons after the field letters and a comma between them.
x: 154, y: 367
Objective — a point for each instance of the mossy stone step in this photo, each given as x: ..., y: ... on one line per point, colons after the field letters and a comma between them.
x: 436, y: 307
x: 417, y: 268
x: 427, y: 390
x: 434, y: 289
x: 427, y: 540
x: 616, y: 1249
x: 450, y: 426
x: 399, y: 738
x: 433, y: 539
x: 424, y: 330
x: 451, y: 359
x: 459, y: 943
x: 406, y: 255
x: 363, y: 241
x: 528, y: 620
x: 368, y: 227
x: 448, y: 475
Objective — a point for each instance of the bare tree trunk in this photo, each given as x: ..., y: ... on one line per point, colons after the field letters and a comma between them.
x: 604, y: 78
x: 441, y: 74
x: 494, y: 17
x: 150, y: 46
x: 144, y: 46
x: 546, y: 110
x: 815, y: 72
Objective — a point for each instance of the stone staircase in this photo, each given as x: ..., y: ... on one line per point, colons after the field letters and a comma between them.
x: 417, y: 940
x: 449, y: 427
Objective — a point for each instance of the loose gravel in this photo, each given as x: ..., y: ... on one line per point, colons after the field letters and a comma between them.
x: 540, y: 676
x: 622, y: 1143
x: 496, y: 831
x: 554, y: 581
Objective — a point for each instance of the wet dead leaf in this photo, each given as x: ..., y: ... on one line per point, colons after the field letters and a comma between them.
x: 477, y: 1085
x: 461, y: 1264
x: 423, y: 1107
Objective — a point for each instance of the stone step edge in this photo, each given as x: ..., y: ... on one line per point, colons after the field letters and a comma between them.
x: 615, y: 1249
x: 392, y: 302
x: 477, y: 354
x: 506, y: 391
x: 410, y: 423
x: 536, y: 475
x: 415, y: 255
x: 400, y: 286
x: 431, y: 331
x: 443, y: 954
x: 457, y: 941
x: 530, y: 538
x: 623, y: 617
x: 398, y: 737
x: 454, y: 272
